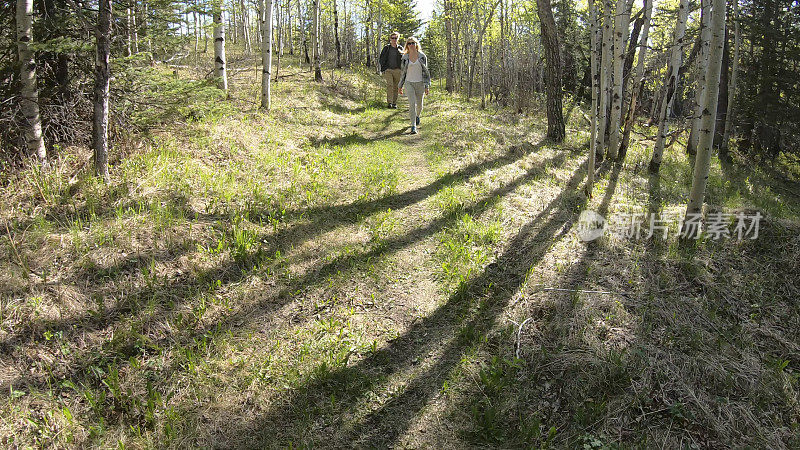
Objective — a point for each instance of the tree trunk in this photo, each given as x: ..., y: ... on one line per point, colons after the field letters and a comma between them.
x: 701, y: 165
x: 737, y: 42
x: 594, y: 30
x: 279, y: 34
x: 638, y: 78
x: 549, y: 35
x: 133, y: 30
x: 248, y: 45
x: 129, y: 33
x: 337, y: 43
x: 448, y: 14
x: 29, y: 94
x: 621, y: 22
x: 702, y: 68
x: 722, y: 98
x: 315, y: 43
x: 266, y: 54
x: 670, y: 86
x: 605, y: 66
x: 219, y: 46
x: 102, y: 77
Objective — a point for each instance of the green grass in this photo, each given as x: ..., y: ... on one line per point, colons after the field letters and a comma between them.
x: 314, y: 277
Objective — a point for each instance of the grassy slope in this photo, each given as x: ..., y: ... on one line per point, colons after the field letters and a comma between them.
x: 317, y: 277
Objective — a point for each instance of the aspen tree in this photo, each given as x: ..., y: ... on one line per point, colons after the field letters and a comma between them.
x: 220, y: 70
x: 621, y: 25
x: 594, y: 31
x: 315, y: 38
x: 29, y: 93
x: 638, y: 77
x: 737, y: 42
x: 266, y: 54
x: 671, y: 85
x: 705, y: 144
x: 102, y: 77
x: 702, y: 69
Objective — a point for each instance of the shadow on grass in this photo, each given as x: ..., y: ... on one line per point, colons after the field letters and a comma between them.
x: 455, y: 325
x: 163, y: 298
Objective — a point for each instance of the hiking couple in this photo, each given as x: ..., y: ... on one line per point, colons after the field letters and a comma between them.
x: 405, y: 69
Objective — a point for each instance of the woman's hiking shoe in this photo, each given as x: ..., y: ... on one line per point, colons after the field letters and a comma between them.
x: 414, y: 130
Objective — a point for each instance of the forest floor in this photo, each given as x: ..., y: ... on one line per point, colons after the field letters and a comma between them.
x: 318, y: 277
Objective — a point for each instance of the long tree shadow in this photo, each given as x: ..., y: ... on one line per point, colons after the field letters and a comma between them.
x: 318, y: 220
x: 171, y: 294
x: 453, y: 323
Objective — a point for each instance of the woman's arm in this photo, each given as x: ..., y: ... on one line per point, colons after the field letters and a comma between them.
x: 403, y: 69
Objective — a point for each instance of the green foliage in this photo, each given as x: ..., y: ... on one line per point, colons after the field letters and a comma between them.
x: 402, y: 16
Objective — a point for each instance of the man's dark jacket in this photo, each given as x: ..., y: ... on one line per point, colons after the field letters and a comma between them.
x: 390, y: 57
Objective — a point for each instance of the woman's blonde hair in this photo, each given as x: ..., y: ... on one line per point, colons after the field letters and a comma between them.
x: 415, y: 41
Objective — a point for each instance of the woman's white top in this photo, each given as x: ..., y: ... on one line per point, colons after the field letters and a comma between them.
x: 414, y: 71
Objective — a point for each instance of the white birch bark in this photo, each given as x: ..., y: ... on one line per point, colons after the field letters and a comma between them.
x: 703, y: 160
x: 702, y: 69
x: 220, y: 71
x: 672, y: 81
x: 621, y: 25
x: 266, y: 55
x: 29, y: 94
x: 605, y: 72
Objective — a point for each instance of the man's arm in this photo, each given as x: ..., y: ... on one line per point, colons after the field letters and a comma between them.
x: 383, y: 59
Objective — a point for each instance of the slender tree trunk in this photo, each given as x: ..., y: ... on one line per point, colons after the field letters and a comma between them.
x: 134, y: 31
x: 279, y: 14
x: 737, y: 39
x: 638, y: 78
x: 303, y: 39
x: 102, y: 77
x: 378, y: 39
x: 722, y: 98
x: 671, y: 86
x: 702, y: 68
x: 621, y: 22
x: 703, y: 160
x: 248, y: 45
x: 29, y: 93
x: 145, y: 30
x: 315, y: 38
x: 266, y: 54
x: 594, y: 30
x: 129, y: 34
x: 220, y: 70
x: 552, y: 49
x: 336, y: 36
x: 605, y: 68
x: 448, y: 13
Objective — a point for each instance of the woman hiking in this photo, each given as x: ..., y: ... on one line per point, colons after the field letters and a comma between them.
x: 414, y: 79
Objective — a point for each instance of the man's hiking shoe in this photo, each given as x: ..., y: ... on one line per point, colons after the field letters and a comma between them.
x: 394, y: 106
x: 414, y: 130
x: 389, y: 105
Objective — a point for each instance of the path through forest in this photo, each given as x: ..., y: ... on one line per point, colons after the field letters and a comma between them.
x: 318, y: 277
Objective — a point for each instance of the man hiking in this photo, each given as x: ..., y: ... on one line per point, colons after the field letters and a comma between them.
x: 390, y: 67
